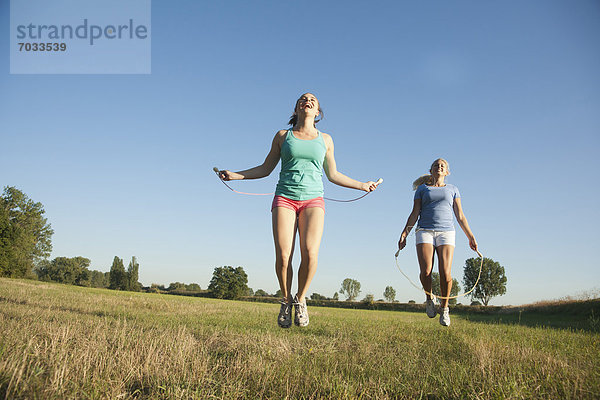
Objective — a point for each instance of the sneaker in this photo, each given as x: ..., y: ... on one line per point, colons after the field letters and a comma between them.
x: 430, y: 308
x: 301, y: 315
x: 445, y: 317
x: 284, y: 319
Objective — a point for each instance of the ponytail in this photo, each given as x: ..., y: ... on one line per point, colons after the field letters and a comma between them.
x: 423, y: 179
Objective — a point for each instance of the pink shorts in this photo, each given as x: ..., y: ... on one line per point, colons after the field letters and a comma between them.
x: 297, y: 205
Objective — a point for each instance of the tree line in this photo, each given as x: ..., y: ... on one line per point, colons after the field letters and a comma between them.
x: 231, y: 283
x: 25, y: 244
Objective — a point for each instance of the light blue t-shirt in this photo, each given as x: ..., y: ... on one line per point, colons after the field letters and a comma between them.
x: 436, y: 207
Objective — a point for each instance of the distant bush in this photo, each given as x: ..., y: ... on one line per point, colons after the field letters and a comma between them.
x: 368, y: 299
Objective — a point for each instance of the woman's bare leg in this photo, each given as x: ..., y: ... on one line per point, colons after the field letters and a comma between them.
x: 445, y: 254
x: 284, y: 234
x: 310, y: 230
x: 425, y: 253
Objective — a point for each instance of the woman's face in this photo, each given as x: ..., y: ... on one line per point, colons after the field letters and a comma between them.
x: 439, y: 168
x: 307, y: 104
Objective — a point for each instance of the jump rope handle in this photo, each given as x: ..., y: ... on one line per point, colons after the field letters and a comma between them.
x: 380, y: 180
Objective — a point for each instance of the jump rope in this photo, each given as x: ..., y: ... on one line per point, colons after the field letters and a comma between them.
x: 217, y: 171
x: 380, y: 180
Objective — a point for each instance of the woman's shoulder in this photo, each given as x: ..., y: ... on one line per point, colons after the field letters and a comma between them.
x: 281, y: 134
x: 327, y: 138
x: 279, y: 138
x: 421, y: 188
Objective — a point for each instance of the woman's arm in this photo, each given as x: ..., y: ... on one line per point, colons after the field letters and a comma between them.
x: 462, y: 221
x: 412, y: 220
x: 336, y: 176
x: 262, y: 170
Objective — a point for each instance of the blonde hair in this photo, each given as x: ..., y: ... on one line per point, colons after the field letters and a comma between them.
x: 428, y: 178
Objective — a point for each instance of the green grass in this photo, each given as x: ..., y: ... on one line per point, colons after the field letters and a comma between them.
x: 61, y: 341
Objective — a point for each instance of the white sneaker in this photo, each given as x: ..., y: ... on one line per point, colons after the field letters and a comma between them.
x: 284, y: 319
x: 301, y: 314
x: 445, y: 317
x: 430, y: 308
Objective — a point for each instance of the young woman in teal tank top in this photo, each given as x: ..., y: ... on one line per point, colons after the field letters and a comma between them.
x: 297, y: 208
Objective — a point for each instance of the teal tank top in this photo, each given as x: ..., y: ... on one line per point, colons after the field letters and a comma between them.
x: 301, y: 176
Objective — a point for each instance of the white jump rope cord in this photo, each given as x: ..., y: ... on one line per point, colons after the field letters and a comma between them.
x: 380, y: 180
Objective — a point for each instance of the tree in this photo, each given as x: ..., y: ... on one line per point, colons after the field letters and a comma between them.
x: 435, y: 287
x: 118, y: 276
x: 336, y: 296
x: 157, y: 288
x: 369, y: 299
x: 350, y: 288
x: 317, y: 296
x: 228, y: 283
x: 261, y: 293
x: 492, y: 282
x: 72, y: 271
x: 193, y: 287
x: 176, y: 286
x: 25, y: 235
x: 389, y: 294
x: 133, y: 275
x: 98, y: 279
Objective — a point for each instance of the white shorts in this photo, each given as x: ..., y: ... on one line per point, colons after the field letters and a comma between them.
x: 436, y: 238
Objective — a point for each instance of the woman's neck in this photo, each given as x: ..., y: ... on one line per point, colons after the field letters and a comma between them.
x: 305, y: 124
x: 438, y: 180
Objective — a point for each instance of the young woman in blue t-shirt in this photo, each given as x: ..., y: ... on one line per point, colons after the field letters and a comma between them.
x: 434, y: 203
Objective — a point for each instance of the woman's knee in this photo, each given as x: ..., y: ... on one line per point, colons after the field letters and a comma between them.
x: 445, y: 276
x: 282, y: 259
x: 310, y: 255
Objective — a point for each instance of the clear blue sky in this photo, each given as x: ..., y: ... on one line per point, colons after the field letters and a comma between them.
x: 508, y: 92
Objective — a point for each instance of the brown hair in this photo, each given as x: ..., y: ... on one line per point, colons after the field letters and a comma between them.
x: 428, y: 178
x: 294, y: 117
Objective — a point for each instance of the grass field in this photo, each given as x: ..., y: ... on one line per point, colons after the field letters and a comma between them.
x: 62, y: 342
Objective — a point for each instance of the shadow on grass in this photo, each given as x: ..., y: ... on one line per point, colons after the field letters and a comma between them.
x: 114, y: 314
x: 4, y: 381
x: 575, y: 315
